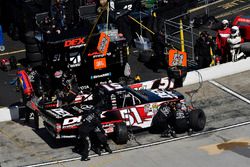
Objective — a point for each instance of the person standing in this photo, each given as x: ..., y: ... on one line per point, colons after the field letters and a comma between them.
x: 202, y: 50
x: 58, y: 16
x: 221, y: 40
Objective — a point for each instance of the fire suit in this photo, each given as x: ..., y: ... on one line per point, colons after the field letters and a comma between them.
x: 163, y: 121
x: 234, y: 43
x: 222, y: 45
x: 34, y: 78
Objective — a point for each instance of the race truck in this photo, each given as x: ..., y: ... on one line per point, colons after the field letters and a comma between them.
x: 123, y: 108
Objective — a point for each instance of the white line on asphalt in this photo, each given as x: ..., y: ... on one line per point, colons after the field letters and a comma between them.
x: 204, y: 6
x: 230, y: 91
x: 13, y: 52
x: 144, y: 145
x: 232, y: 12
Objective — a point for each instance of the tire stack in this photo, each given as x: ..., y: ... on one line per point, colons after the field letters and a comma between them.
x: 33, y: 53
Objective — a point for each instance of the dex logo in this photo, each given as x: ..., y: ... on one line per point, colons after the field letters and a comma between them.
x: 72, y: 120
x: 74, y: 42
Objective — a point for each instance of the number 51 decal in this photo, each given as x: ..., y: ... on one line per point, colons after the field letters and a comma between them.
x: 131, y: 116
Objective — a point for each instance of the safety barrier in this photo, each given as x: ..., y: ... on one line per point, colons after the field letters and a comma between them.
x: 217, y: 71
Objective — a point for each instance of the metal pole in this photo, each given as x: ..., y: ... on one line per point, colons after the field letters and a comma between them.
x: 192, y: 40
x: 182, y: 36
x: 207, y: 8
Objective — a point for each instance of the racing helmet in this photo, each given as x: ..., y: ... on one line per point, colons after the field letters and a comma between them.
x: 225, y: 23
x: 235, y: 31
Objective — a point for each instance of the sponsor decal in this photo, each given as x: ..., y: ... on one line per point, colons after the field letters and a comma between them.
x: 103, y: 43
x: 75, y: 61
x: 79, y: 110
x: 177, y: 58
x: 74, y: 42
x: 101, y: 75
x: 112, y: 86
x: 100, y: 63
x: 72, y: 121
x: 59, y: 112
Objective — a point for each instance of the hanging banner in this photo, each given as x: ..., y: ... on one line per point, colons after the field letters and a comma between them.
x: 103, y: 43
x: 177, y: 58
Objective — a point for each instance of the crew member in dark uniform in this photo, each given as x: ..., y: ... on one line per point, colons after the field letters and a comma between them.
x: 34, y: 78
x: 163, y: 121
x: 58, y: 16
x: 202, y: 50
x: 91, y: 125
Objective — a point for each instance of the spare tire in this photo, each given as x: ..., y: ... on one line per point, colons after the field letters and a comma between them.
x: 36, y: 64
x: 197, y: 119
x: 245, y: 47
x: 30, y: 37
x: 32, y: 48
x: 120, y: 133
x: 34, y: 57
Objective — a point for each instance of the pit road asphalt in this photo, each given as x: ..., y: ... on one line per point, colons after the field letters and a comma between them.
x: 20, y: 145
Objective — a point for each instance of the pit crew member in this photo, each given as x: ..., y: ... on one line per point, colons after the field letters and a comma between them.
x: 234, y: 42
x: 221, y: 40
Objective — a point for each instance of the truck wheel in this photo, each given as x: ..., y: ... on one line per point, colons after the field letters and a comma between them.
x: 197, y: 120
x: 120, y: 133
x: 245, y: 47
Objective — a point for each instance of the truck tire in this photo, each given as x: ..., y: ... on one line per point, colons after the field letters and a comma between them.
x: 36, y: 64
x: 197, y: 120
x: 245, y: 47
x: 120, y: 133
x: 34, y: 57
x: 32, y: 48
x: 30, y: 37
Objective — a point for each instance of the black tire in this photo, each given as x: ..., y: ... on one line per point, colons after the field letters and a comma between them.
x: 145, y: 55
x: 197, y: 120
x: 30, y: 37
x: 36, y: 64
x: 32, y: 48
x: 34, y: 57
x: 120, y: 133
x: 245, y: 47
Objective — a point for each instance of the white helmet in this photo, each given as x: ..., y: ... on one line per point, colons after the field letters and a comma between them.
x: 225, y: 23
x: 235, y: 31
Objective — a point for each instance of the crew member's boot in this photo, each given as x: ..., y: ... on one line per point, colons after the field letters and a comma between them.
x: 107, y: 148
